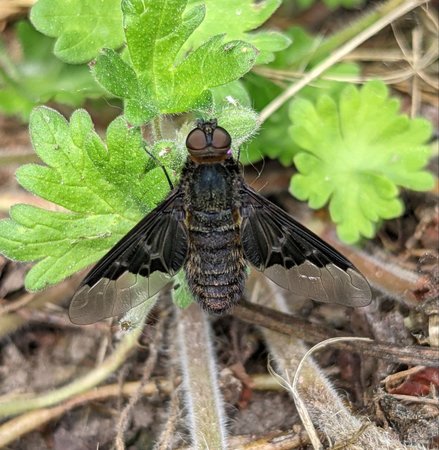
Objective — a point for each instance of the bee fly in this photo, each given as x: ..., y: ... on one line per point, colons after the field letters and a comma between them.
x: 213, y: 225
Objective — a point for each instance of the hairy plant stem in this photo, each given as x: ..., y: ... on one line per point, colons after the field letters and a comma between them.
x: 324, y: 407
x: 389, y: 12
x: 22, y: 403
x: 200, y: 380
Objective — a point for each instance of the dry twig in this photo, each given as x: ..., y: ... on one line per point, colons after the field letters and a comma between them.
x: 291, y: 326
x: 19, y: 426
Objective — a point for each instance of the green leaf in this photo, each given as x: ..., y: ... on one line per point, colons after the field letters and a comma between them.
x: 355, y: 154
x: 240, y: 122
x: 82, y: 27
x: 104, y: 189
x: 182, y: 295
x: 237, y: 19
x: 272, y: 140
x: 267, y: 43
x: 230, y: 93
x: 151, y: 79
x: 39, y: 77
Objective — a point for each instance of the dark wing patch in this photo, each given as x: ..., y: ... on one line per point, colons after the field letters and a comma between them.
x: 136, y: 268
x: 295, y: 258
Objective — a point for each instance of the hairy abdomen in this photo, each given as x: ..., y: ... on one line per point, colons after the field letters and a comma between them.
x: 215, y: 267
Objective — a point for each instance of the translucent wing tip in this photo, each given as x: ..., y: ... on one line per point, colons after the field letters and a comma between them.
x: 328, y: 284
x: 80, y: 308
x: 109, y: 298
x: 361, y: 291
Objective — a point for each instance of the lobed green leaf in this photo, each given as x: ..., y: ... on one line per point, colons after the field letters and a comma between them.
x: 152, y: 80
x: 356, y: 154
x: 237, y: 19
x: 82, y: 27
x: 39, y: 77
x: 104, y: 189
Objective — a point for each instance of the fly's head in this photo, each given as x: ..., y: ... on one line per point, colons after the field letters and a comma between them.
x: 209, y: 143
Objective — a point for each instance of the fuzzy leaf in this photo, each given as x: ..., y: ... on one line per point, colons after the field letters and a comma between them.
x: 356, y: 154
x: 237, y: 18
x: 82, y: 27
x: 151, y: 80
x: 40, y: 77
x: 105, y: 189
x: 230, y: 94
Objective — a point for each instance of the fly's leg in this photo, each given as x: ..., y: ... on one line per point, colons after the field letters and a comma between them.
x: 159, y: 163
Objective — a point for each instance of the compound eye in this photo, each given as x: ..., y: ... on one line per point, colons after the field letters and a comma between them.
x: 196, y: 140
x: 221, y: 139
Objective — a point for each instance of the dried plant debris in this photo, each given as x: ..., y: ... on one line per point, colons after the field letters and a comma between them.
x: 415, y: 423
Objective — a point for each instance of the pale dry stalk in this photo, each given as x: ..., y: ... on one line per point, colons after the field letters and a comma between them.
x: 324, y: 407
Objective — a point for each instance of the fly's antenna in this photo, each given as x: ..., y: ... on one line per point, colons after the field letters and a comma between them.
x: 160, y: 164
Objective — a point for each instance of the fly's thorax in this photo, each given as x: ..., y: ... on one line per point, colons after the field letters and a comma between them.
x: 211, y: 187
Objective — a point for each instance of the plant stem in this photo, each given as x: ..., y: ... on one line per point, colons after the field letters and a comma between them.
x: 397, y: 9
x: 323, y: 405
x: 200, y: 380
x: 291, y: 326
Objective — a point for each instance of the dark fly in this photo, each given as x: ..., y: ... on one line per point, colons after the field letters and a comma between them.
x: 212, y: 225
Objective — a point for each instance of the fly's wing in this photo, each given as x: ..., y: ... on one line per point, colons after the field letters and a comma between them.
x: 136, y: 268
x: 295, y: 258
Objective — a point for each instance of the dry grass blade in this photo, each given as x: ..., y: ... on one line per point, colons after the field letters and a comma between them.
x: 398, y: 11
x: 301, y: 408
